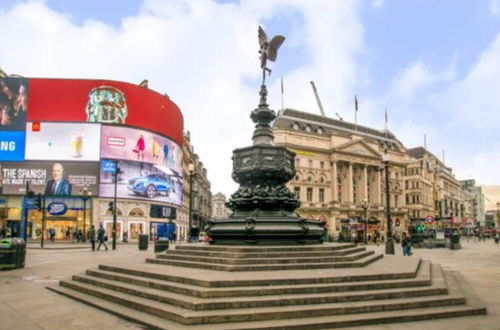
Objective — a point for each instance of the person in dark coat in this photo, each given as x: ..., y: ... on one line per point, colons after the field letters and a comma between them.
x: 92, y: 236
x: 406, y: 244
x: 101, y: 237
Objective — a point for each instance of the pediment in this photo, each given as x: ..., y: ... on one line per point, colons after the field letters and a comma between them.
x: 358, y: 148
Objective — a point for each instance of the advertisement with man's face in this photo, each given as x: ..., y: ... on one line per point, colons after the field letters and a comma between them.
x: 138, y: 145
x: 50, y: 178
x: 58, y: 141
x: 137, y: 180
x: 13, y: 103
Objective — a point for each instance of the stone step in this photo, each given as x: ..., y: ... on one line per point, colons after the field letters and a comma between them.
x: 283, y: 254
x: 264, y: 259
x: 152, y: 271
x: 422, y: 278
x: 259, y: 249
x: 179, y: 300
x: 318, y: 322
x: 264, y: 267
x: 184, y: 316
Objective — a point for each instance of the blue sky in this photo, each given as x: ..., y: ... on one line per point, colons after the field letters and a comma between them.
x: 433, y: 64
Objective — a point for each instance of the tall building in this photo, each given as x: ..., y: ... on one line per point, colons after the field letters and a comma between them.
x: 476, y: 195
x: 201, y: 205
x: 219, y: 209
x: 339, y: 169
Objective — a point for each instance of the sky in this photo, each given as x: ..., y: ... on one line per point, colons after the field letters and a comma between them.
x: 434, y: 65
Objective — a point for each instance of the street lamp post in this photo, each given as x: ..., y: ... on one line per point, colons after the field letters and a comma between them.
x: 117, y: 171
x: 389, y: 244
x: 190, y: 220
x: 365, y: 208
x: 86, y: 196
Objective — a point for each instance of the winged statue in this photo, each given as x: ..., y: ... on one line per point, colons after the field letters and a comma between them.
x: 268, y: 50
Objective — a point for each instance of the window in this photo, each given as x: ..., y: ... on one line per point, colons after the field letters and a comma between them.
x: 321, y: 195
x: 368, y: 190
x: 309, y: 179
x: 322, y: 180
x: 308, y: 128
x: 354, y: 190
x: 310, y: 163
x: 407, y: 199
x: 309, y: 194
x: 339, y: 190
x: 296, y: 191
x: 296, y: 126
x: 395, y: 200
x: 321, y: 165
x: 320, y: 130
x: 296, y: 178
x: 136, y: 212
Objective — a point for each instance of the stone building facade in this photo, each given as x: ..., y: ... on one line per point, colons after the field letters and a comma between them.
x: 339, y: 170
x: 219, y: 209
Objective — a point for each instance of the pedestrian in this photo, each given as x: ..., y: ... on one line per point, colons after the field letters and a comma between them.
x: 92, y: 236
x: 101, y: 237
x: 52, y: 234
x: 406, y: 244
x: 80, y: 235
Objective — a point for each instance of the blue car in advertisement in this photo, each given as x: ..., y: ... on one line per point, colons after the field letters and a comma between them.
x: 151, y: 185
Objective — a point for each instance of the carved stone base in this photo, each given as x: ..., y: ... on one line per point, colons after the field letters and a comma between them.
x: 265, y: 228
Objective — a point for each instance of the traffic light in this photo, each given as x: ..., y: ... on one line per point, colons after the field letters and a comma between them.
x: 111, y: 206
x: 37, y: 202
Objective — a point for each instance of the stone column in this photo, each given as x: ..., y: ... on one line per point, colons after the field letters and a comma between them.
x: 334, y: 181
x: 364, y: 183
x: 349, y: 191
x: 376, y: 191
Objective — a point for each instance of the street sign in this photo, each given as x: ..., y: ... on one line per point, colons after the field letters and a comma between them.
x: 160, y: 211
x: 429, y: 219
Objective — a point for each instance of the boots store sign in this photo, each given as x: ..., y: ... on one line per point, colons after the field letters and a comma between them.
x: 57, y: 208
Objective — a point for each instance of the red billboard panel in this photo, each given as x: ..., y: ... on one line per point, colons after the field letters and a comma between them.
x: 104, y: 101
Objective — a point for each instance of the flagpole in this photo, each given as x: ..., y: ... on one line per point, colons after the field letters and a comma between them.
x: 355, y: 113
x: 282, y: 92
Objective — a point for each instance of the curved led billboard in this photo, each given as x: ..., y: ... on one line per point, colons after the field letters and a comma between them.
x: 103, y: 101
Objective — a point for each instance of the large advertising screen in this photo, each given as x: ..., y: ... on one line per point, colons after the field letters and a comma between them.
x: 50, y: 178
x: 62, y: 141
x: 12, y: 146
x: 13, y: 103
x: 104, y: 101
x: 133, y: 144
x: 137, y: 180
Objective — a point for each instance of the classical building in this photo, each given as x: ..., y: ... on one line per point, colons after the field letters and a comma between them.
x: 475, y: 194
x: 219, y: 209
x: 433, y: 190
x: 194, y: 172
x: 339, y: 170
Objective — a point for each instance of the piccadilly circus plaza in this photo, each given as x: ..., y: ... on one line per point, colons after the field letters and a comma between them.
x: 83, y: 145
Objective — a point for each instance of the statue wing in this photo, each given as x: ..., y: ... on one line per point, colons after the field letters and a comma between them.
x: 274, y: 45
x: 262, y: 37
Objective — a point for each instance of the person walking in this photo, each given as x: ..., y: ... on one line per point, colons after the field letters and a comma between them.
x: 101, y: 237
x: 406, y: 244
x: 92, y: 236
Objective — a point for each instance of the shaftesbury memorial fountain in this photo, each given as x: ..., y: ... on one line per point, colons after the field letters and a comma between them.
x: 263, y: 207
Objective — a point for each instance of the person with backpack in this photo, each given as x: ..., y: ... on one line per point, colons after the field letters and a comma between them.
x: 406, y: 244
x: 101, y: 237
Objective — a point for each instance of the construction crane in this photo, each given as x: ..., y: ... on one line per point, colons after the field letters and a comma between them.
x: 317, y: 99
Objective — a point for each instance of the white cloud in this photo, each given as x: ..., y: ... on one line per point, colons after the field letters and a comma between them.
x: 494, y: 7
x: 378, y: 3
x: 201, y: 53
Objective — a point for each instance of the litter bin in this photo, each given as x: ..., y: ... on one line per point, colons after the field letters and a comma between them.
x: 143, y: 242
x: 12, y: 253
x: 161, y: 244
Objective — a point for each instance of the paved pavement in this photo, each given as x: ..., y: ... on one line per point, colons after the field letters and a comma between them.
x: 26, y: 304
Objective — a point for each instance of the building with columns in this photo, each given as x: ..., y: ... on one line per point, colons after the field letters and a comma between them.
x: 339, y: 170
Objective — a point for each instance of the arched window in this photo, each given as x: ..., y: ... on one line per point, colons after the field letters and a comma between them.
x: 136, y: 212
x: 296, y: 126
x: 320, y: 130
x: 118, y: 211
x: 308, y: 128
